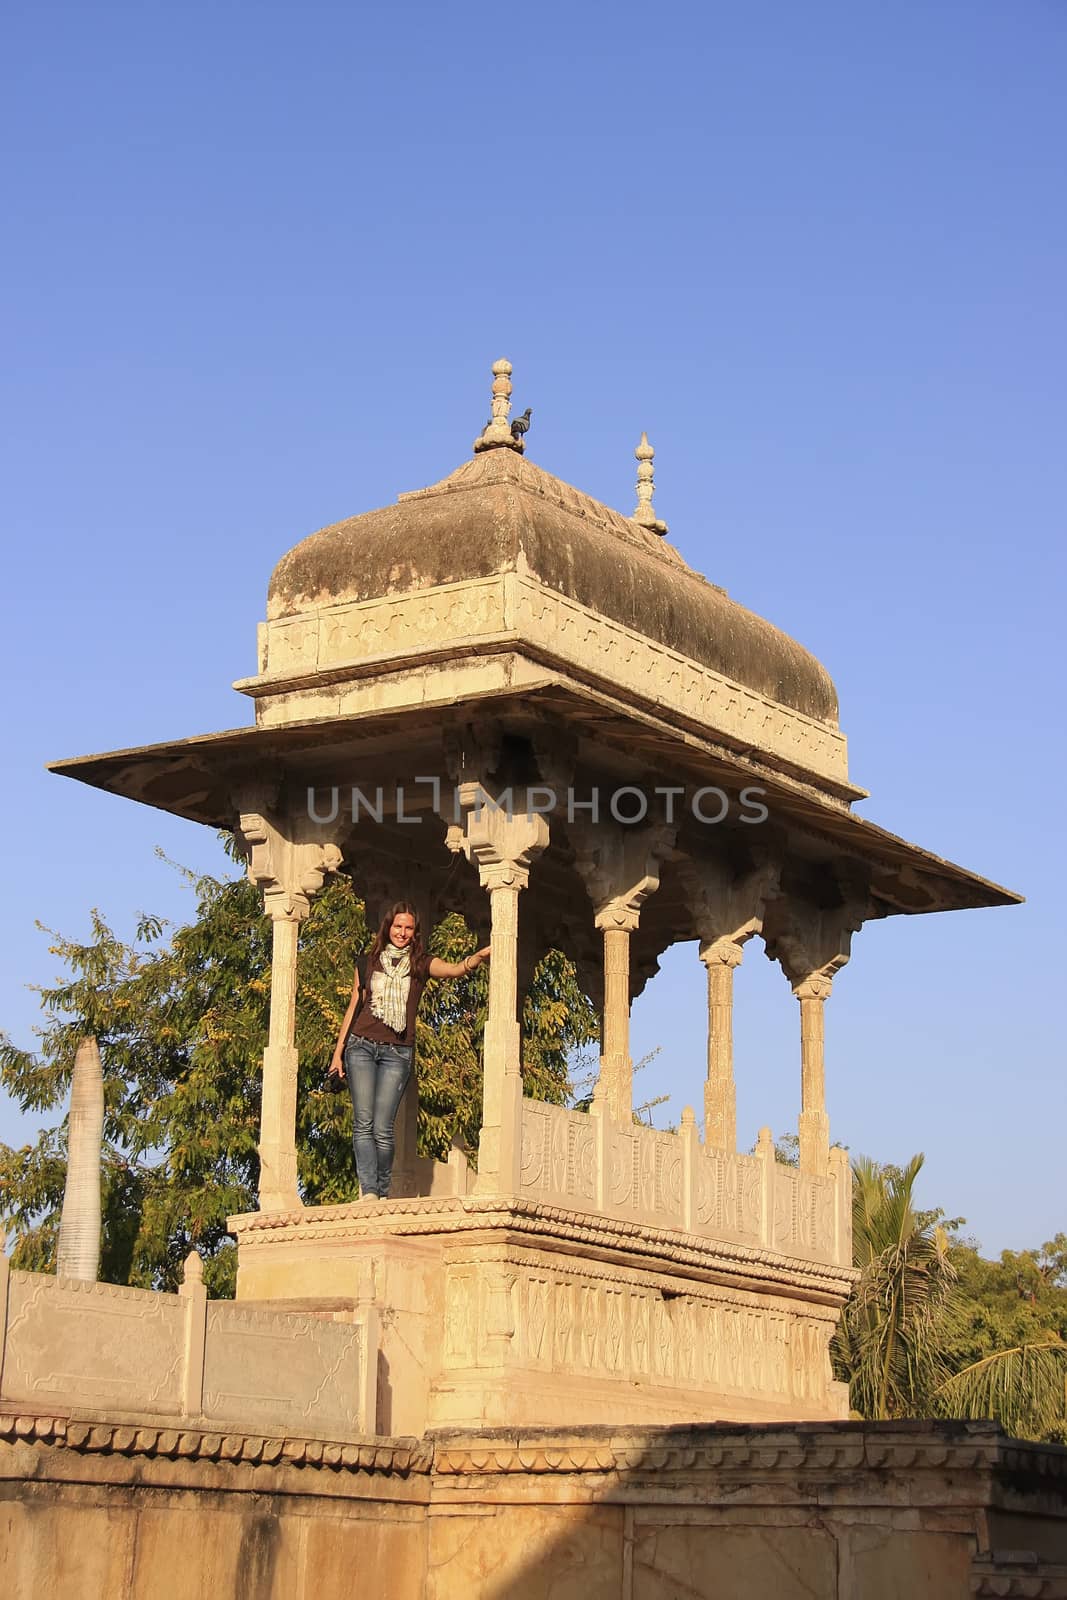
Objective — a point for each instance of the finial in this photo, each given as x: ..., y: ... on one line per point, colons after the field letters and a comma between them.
x: 498, y: 431
x: 194, y: 1268
x: 644, y: 512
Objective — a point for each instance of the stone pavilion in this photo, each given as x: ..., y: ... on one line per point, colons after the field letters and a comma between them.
x: 501, y: 697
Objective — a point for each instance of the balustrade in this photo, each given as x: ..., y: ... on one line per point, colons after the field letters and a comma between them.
x: 587, y: 1162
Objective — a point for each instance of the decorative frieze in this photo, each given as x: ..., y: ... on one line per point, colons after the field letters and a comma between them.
x: 608, y: 1323
x: 363, y: 638
x: 564, y: 1227
x: 401, y: 1457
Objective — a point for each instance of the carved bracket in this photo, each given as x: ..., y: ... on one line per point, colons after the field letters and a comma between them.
x: 620, y: 869
x: 812, y: 943
x: 728, y: 906
x: 289, y: 870
x: 500, y: 841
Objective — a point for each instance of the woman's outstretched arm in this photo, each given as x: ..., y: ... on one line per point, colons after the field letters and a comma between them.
x: 458, y: 969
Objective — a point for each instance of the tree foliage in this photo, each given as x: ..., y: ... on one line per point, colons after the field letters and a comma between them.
x: 933, y: 1329
x: 182, y: 1023
x: 887, y: 1346
x: 1005, y: 1344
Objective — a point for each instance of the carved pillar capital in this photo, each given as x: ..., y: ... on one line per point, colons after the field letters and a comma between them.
x: 722, y: 953
x: 812, y: 942
x: 500, y: 837
x: 816, y: 986
x: 728, y: 903
x: 289, y: 869
x: 619, y: 867
x: 624, y: 911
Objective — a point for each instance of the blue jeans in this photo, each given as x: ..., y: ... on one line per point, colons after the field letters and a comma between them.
x: 377, y: 1076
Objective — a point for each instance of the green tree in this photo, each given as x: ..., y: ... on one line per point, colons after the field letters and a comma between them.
x: 1005, y: 1342
x: 933, y: 1329
x: 888, y: 1345
x: 182, y: 1022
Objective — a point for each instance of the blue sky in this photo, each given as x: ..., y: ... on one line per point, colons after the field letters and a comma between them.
x: 259, y: 260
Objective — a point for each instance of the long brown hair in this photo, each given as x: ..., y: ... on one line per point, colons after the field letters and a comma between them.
x: 400, y: 909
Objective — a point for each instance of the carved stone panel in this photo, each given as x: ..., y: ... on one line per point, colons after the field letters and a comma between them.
x: 78, y: 1343
x: 728, y: 1202
x: 598, y: 1323
x: 804, y: 1214
x: 645, y: 1174
x: 271, y: 1368
x: 558, y: 1154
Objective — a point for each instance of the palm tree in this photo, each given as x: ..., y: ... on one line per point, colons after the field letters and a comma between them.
x: 1024, y: 1388
x: 890, y: 1345
x: 887, y: 1343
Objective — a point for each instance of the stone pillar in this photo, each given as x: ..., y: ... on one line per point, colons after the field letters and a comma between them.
x: 501, y: 845
x: 812, y: 943
x: 814, y: 1125
x: 841, y: 1172
x: 617, y: 921
x: 620, y: 870
x: 721, y: 957
x: 727, y: 907
x: 78, y: 1252
x: 277, y: 1121
x: 290, y: 870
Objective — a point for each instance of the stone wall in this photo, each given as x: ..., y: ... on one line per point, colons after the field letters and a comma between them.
x: 67, y: 1343
x: 845, y: 1511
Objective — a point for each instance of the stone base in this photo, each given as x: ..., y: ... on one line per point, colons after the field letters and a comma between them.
x: 846, y: 1511
x: 507, y: 1312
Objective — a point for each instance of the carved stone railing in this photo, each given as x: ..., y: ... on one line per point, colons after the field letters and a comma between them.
x: 587, y: 1162
x: 67, y: 1343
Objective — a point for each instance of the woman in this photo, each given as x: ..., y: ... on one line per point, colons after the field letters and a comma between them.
x: 376, y: 1046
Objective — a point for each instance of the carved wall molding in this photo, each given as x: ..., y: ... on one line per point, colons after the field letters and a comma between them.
x: 354, y: 639
x: 87, y: 1436
x: 753, y: 1455
x: 531, y: 1220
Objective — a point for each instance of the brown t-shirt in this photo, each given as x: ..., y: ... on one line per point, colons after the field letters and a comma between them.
x: 365, y: 1025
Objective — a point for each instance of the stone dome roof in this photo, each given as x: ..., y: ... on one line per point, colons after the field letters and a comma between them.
x: 499, y: 513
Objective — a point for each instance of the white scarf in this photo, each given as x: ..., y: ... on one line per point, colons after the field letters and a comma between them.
x: 389, y: 988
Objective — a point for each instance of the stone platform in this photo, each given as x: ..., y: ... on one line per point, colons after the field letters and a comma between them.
x: 844, y: 1511
x: 497, y: 1311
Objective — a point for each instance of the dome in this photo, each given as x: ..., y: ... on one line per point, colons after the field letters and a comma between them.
x: 500, y: 513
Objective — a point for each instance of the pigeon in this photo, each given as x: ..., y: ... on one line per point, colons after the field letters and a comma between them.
x: 521, y: 424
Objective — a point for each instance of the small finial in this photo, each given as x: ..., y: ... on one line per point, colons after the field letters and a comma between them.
x: 194, y: 1268
x: 498, y: 431
x: 644, y: 512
